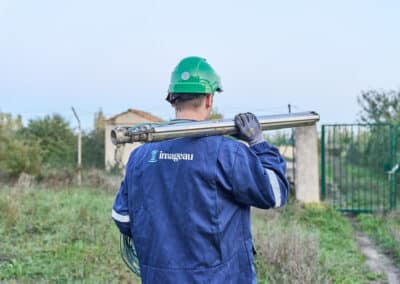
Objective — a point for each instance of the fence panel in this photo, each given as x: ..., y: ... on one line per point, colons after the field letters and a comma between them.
x: 358, y: 166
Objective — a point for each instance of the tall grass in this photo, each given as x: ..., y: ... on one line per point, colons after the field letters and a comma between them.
x: 312, y: 244
x: 286, y: 254
x: 59, y: 236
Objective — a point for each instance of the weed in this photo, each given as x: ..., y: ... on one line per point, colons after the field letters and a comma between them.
x: 9, y: 211
x: 291, y: 253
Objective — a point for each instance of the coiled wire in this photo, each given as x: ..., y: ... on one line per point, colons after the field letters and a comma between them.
x: 128, y: 254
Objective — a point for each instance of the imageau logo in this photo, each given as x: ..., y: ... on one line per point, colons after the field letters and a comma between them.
x: 176, y: 157
x: 154, y: 157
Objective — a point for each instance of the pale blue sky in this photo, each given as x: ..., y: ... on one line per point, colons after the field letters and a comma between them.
x: 114, y: 55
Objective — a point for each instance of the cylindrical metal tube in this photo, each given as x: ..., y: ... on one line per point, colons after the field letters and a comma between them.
x: 154, y: 132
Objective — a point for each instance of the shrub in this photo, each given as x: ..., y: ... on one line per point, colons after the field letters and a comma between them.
x: 22, y: 158
x: 16, y: 155
x: 288, y: 254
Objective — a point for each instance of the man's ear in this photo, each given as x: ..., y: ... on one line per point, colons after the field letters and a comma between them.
x: 209, y: 100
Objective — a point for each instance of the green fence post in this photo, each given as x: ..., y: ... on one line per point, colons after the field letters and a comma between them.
x: 393, y: 189
x: 323, y: 162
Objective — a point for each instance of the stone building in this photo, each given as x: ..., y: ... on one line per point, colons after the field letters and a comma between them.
x: 127, y: 118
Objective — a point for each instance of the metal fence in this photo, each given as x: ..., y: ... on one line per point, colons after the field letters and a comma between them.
x: 359, y: 166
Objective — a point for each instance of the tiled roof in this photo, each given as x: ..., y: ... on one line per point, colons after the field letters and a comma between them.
x: 140, y: 113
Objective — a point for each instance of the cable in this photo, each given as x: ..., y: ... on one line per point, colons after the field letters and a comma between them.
x: 128, y: 254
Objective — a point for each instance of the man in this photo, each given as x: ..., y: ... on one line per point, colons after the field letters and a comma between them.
x: 186, y: 202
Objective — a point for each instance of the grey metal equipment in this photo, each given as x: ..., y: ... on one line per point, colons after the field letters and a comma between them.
x: 163, y: 131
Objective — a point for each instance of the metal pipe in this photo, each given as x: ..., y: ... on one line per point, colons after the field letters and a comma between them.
x: 157, y: 132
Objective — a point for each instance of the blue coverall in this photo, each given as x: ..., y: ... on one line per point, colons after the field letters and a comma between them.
x: 186, y: 204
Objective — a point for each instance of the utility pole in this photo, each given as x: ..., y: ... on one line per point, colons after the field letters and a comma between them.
x: 79, y: 147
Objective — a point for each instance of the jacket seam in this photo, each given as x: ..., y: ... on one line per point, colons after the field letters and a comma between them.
x: 216, y: 200
x: 246, y: 239
x: 232, y: 170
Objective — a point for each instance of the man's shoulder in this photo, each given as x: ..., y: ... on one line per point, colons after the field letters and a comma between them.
x: 225, y: 141
x: 231, y: 141
x: 230, y: 145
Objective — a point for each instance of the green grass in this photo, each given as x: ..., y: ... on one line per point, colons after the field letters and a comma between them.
x: 340, y: 255
x: 384, y: 230
x: 67, y: 236
x: 324, y: 232
x: 59, y: 236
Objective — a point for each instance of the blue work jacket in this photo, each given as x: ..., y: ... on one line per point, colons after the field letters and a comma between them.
x: 186, y: 204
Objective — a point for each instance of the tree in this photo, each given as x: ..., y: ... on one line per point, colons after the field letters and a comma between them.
x: 22, y: 158
x: 99, y: 121
x: 16, y: 155
x: 55, y: 139
x: 93, y: 143
x: 379, y: 106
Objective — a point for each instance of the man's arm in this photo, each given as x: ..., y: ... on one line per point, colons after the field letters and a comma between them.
x: 255, y: 175
x: 259, y: 176
x: 120, y: 212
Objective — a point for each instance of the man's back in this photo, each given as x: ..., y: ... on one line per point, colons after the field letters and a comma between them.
x: 189, y: 205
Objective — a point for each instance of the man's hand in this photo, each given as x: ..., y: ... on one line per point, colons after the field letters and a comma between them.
x: 249, y: 128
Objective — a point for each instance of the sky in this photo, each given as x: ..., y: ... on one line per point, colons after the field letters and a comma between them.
x: 115, y: 55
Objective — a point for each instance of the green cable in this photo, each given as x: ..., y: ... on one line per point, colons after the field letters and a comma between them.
x: 128, y: 254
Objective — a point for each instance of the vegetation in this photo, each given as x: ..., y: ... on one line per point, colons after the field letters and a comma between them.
x: 66, y: 235
x: 16, y: 155
x: 46, y: 145
x: 279, y: 137
x: 59, y: 236
x: 379, y: 106
x: 357, y: 162
x: 313, y: 244
x: 385, y: 230
x: 56, y: 140
x: 93, y: 144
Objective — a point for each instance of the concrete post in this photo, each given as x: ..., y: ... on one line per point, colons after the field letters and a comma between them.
x: 307, y: 164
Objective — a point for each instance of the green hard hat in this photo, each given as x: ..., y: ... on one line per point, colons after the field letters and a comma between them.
x: 193, y: 75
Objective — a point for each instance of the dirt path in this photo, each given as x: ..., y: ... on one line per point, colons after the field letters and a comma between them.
x: 376, y: 261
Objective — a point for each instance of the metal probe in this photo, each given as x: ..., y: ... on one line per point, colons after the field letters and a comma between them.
x: 152, y: 132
